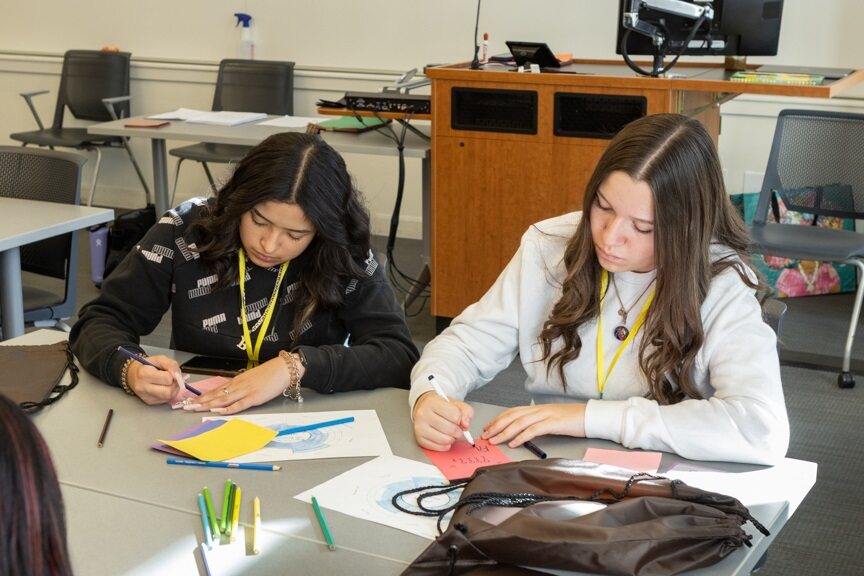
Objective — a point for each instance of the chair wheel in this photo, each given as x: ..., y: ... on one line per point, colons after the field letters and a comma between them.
x: 846, y: 380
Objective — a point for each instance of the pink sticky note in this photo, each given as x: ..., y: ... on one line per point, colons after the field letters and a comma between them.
x: 202, y: 386
x: 462, y: 458
x: 638, y: 461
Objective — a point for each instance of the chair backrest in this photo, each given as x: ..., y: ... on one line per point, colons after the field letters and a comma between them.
x: 87, y: 77
x: 815, y: 165
x: 772, y: 313
x: 255, y: 86
x: 40, y: 174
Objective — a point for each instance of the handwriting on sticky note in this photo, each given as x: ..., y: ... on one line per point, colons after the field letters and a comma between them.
x: 463, y: 459
x: 638, y: 461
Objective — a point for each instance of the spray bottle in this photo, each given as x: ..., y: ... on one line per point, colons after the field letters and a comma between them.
x: 246, y: 48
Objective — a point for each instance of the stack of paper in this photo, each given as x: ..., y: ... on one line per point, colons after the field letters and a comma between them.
x: 223, y: 118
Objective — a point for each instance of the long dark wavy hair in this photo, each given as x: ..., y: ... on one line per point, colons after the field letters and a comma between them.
x: 32, y: 517
x: 298, y: 169
x: 676, y: 157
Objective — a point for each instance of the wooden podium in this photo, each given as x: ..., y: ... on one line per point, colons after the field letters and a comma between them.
x: 510, y: 149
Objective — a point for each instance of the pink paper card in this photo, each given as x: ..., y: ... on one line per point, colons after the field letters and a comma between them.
x: 462, y: 458
x: 201, y: 385
x: 638, y: 461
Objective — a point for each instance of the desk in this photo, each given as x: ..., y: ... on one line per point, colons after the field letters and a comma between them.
x: 138, y: 494
x: 503, y: 165
x: 371, y: 142
x: 24, y: 222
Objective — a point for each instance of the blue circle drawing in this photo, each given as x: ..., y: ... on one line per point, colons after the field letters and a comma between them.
x: 307, y: 441
x: 385, y: 498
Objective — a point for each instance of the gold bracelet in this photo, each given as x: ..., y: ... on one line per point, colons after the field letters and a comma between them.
x: 292, y: 391
x: 123, y: 375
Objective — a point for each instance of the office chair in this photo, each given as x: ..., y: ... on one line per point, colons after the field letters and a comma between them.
x: 815, y: 167
x: 773, y: 311
x: 49, y: 266
x: 94, y: 85
x: 241, y: 86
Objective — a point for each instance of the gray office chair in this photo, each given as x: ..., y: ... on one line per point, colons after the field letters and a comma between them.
x: 816, y: 167
x: 773, y: 311
x: 49, y: 266
x: 94, y: 85
x: 241, y: 86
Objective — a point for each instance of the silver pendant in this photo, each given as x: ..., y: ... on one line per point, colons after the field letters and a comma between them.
x: 621, y: 333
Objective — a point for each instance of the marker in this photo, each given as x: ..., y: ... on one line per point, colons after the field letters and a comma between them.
x: 183, y: 462
x: 204, y: 559
x: 235, y: 516
x: 256, y: 524
x: 438, y: 391
x: 101, y: 440
x: 231, y: 496
x: 330, y: 544
x: 205, y: 522
x: 535, y: 449
x: 223, y: 520
x: 211, y: 515
x: 142, y: 360
x: 308, y: 427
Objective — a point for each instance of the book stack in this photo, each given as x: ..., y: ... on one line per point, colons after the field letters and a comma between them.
x: 758, y: 77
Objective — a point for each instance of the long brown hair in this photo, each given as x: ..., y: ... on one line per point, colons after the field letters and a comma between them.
x: 298, y: 169
x: 676, y: 157
x: 32, y: 517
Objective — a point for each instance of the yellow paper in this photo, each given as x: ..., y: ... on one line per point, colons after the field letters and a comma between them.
x: 234, y: 438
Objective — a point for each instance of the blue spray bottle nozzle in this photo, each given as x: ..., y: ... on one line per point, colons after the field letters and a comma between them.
x: 243, y: 18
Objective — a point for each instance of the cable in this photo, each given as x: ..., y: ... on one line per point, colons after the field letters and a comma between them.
x: 660, y: 52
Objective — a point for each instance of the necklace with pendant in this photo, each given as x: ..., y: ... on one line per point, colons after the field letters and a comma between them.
x: 621, y: 331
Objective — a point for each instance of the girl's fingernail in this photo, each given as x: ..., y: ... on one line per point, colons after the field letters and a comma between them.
x: 191, y: 407
x: 218, y: 410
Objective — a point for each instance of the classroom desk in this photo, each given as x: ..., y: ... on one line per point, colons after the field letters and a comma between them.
x: 139, y: 494
x: 24, y: 222
x: 372, y: 142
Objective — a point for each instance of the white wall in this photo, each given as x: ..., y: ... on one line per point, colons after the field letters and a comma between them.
x: 175, y: 47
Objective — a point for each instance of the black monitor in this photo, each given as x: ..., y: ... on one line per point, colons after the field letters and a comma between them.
x: 738, y: 28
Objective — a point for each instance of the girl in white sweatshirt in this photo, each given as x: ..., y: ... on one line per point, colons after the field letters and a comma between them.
x: 636, y: 320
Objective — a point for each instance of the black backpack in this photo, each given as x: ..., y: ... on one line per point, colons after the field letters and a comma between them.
x: 127, y: 230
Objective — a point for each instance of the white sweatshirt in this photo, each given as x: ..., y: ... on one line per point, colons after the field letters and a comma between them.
x: 737, y: 371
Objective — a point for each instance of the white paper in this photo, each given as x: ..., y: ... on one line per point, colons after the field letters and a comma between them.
x: 366, y: 492
x: 179, y: 114
x: 362, y: 437
x: 226, y: 118
x: 292, y: 121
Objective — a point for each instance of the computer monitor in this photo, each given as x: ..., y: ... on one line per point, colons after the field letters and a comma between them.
x: 738, y: 28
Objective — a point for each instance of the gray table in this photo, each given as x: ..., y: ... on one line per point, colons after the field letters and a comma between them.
x: 137, y: 493
x: 24, y: 222
x: 372, y: 142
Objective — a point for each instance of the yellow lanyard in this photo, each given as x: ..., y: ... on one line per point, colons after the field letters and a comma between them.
x: 251, y: 353
x: 601, y: 379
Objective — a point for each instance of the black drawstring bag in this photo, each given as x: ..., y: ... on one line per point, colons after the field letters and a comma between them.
x: 32, y: 375
x: 522, y: 514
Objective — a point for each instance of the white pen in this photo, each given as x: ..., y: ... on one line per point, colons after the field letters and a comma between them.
x: 438, y: 391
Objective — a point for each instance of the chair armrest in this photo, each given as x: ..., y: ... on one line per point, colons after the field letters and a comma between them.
x: 28, y: 97
x: 110, y: 102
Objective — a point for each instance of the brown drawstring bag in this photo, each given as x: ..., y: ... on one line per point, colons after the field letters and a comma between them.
x: 523, y: 514
x: 32, y: 375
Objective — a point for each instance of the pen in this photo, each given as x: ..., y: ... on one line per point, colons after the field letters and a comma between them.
x: 535, y: 449
x: 142, y: 360
x: 307, y: 427
x: 434, y: 383
x: 205, y: 521
x: 224, y: 518
x: 211, y: 515
x: 241, y: 466
x: 323, y: 524
x: 256, y: 524
x: 101, y: 440
x: 235, y: 516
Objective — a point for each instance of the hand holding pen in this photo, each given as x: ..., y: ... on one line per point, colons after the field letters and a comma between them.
x: 153, y: 386
x: 439, y: 421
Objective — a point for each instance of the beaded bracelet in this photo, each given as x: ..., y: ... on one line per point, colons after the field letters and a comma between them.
x: 123, y: 375
x: 292, y: 391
